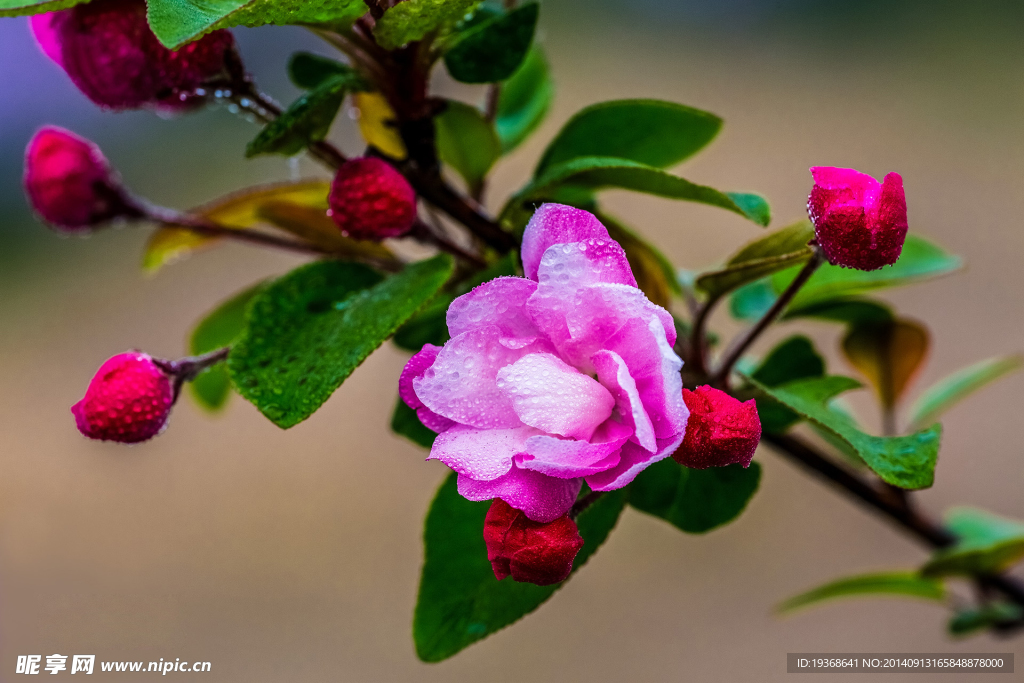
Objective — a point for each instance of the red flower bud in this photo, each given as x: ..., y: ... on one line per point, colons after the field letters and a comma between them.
x: 859, y: 222
x: 128, y: 400
x: 112, y: 56
x: 720, y: 430
x: 69, y: 182
x: 530, y: 551
x: 371, y: 200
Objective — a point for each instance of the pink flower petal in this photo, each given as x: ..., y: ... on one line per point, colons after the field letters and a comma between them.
x: 552, y: 396
x: 47, y: 34
x: 633, y: 460
x: 500, y: 302
x: 462, y: 383
x: 556, y: 224
x: 416, y: 366
x: 614, y: 375
x: 481, y: 454
x: 569, y: 458
x: 540, y: 497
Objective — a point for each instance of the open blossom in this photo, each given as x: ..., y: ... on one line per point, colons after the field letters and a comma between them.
x: 720, y: 431
x: 859, y: 222
x: 128, y: 400
x: 69, y: 182
x: 529, y: 551
x: 564, y: 375
x: 109, y: 52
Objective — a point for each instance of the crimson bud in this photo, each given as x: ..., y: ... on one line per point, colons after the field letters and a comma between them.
x: 720, y: 430
x: 129, y: 400
x: 529, y: 551
x: 371, y: 200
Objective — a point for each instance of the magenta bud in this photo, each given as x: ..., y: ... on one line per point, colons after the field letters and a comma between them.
x: 859, y: 222
x: 720, y: 431
x: 529, y: 551
x: 70, y: 183
x: 128, y: 401
x: 109, y: 52
x: 370, y: 200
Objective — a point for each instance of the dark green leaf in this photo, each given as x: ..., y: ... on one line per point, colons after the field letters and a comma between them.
x: 650, y: 132
x: 793, y: 359
x: 405, y: 422
x: 968, y: 621
x: 220, y: 328
x: 598, y: 173
x: 466, y: 141
x: 310, y: 329
x: 904, y: 461
x: 987, y: 543
x: 696, y: 501
x: 429, y: 326
x: 777, y: 251
x: 414, y: 19
x: 460, y: 601
x: 17, y: 8
x: 910, y: 584
x: 524, y: 100
x: 492, y: 50
x: 752, y: 301
x: 176, y: 22
x: 950, y: 390
x: 309, y: 71
x: 307, y: 120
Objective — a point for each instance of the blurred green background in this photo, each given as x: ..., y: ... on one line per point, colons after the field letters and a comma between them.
x: 295, y: 555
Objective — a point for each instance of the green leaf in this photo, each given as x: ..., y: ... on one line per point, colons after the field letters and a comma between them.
x: 904, y: 461
x: 696, y: 501
x: 466, y: 141
x: 17, y: 8
x: 460, y: 601
x: 753, y: 300
x: 986, y: 544
x: 910, y: 584
x: 492, y: 50
x: 429, y: 326
x: 524, y: 100
x: 950, y: 390
x: 405, y: 422
x: 649, y: 132
x: 888, y: 354
x: 920, y: 260
x: 655, y: 274
x: 307, y: 120
x: 309, y: 71
x: 596, y: 173
x: 793, y: 359
x: 970, y: 621
x: 777, y: 251
x: 414, y: 19
x: 311, y: 328
x: 219, y: 328
x: 853, y: 312
x: 176, y: 22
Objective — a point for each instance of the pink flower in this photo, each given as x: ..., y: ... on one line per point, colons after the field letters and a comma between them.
x: 529, y: 551
x: 565, y: 375
x: 720, y: 431
x: 129, y: 400
x: 112, y: 56
x: 859, y: 222
x: 69, y: 182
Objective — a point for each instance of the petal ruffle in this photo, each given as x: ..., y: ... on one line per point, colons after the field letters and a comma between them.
x: 414, y: 368
x: 554, y: 397
x: 556, y: 224
x: 633, y: 459
x: 540, y: 497
x: 569, y: 458
x: 481, y: 454
x: 500, y: 302
x: 614, y: 375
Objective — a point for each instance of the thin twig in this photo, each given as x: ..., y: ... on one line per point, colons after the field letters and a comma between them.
x: 742, y: 343
x: 427, y: 233
x: 583, y: 503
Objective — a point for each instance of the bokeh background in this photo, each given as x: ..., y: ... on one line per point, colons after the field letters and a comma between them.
x: 295, y: 555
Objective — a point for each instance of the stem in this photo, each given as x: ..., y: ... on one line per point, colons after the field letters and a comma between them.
x: 428, y: 234
x: 583, y: 503
x: 188, y: 368
x: 743, y: 343
x: 905, y: 515
x: 698, y: 343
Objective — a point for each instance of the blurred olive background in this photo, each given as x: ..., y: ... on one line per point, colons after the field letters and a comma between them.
x: 295, y: 555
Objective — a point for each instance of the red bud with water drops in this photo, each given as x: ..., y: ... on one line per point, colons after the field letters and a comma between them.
x: 370, y: 200
x: 69, y: 182
x: 859, y: 222
x: 720, y: 431
x: 128, y: 401
x: 109, y: 52
x: 529, y: 551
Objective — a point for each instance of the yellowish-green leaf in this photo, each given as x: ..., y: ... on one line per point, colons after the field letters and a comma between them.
x: 414, y: 19
x: 771, y: 253
x: 888, y: 354
x: 909, y: 584
x: 467, y: 142
x: 950, y: 390
x: 17, y: 8
x: 377, y: 124
x: 313, y: 225
x: 987, y: 543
